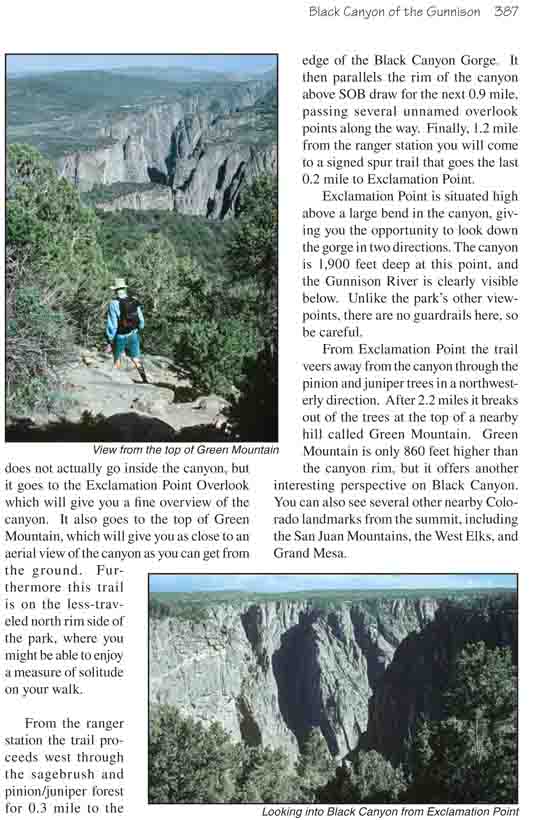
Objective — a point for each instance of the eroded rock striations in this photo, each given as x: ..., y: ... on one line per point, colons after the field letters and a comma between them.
x: 271, y: 671
x: 203, y: 147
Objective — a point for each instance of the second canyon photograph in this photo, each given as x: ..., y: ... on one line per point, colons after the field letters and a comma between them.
x: 333, y: 689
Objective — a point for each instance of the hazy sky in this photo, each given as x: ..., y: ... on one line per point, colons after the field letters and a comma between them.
x: 249, y: 63
x: 289, y: 583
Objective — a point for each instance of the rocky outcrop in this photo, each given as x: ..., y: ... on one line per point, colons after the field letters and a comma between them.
x: 135, y: 149
x: 414, y: 684
x: 158, y: 198
x: 203, y: 147
x: 270, y: 672
x: 210, y: 182
x: 125, y: 407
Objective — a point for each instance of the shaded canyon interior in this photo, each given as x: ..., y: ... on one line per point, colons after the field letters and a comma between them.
x: 362, y: 672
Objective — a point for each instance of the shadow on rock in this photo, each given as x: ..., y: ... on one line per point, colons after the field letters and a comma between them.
x: 60, y: 430
x: 181, y: 394
x: 203, y: 432
x: 133, y: 427
x: 119, y: 427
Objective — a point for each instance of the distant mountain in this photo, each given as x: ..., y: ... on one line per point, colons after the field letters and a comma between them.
x: 185, y: 74
x: 236, y: 66
x: 179, y: 74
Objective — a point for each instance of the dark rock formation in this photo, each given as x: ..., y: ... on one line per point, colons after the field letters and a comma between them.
x: 134, y: 427
x: 414, y: 684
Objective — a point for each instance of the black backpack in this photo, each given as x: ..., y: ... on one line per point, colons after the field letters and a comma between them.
x: 128, y: 318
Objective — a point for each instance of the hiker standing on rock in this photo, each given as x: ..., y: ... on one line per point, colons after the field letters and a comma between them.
x: 125, y: 320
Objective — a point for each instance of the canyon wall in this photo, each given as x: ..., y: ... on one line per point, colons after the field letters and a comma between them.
x: 270, y: 672
x: 158, y: 198
x: 204, y: 147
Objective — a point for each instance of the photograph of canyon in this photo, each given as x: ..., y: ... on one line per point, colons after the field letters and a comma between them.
x: 141, y: 247
x: 333, y: 689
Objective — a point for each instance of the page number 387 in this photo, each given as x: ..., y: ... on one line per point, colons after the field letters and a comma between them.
x: 505, y: 11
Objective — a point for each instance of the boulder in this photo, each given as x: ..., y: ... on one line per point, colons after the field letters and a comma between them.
x: 134, y: 427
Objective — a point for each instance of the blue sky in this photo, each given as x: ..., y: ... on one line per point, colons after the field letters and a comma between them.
x: 293, y: 583
x: 248, y: 63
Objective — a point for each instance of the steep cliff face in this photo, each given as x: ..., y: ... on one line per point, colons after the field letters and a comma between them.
x: 203, y: 147
x: 270, y: 672
x: 414, y: 684
x: 134, y: 150
x: 210, y: 182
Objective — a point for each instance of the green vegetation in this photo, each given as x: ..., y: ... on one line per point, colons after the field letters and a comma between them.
x: 315, y: 765
x: 370, y: 779
x: 254, y: 412
x: 253, y: 249
x: 36, y: 344
x: 188, y: 763
x: 213, y: 326
x: 468, y: 757
x: 192, y: 763
x: 215, y: 351
x: 192, y: 236
x: 471, y: 755
x: 47, y: 224
x: 173, y: 290
x: 52, y: 253
x: 161, y: 609
x: 211, y: 311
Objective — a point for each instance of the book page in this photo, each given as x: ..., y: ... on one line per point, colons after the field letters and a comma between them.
x: 266, y: 371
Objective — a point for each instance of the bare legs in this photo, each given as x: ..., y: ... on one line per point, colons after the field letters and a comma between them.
x: 140, y: 369
x: 138, y: 364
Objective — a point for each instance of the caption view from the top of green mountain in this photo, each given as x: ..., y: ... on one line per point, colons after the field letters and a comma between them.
x: 283, y: 689
x: 164, y: 177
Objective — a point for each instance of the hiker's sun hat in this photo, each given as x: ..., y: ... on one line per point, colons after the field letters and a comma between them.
x: 119, y: 284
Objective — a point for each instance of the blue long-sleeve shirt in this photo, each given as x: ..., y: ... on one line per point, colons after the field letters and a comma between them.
x: 114, y: 313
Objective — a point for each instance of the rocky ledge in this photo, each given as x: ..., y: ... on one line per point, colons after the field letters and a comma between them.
x: 120, y: 405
